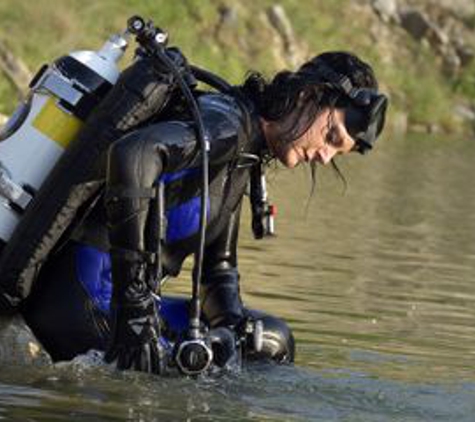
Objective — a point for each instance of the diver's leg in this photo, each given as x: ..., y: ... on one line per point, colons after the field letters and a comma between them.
x: 61, y: 313
x: 278, y: 341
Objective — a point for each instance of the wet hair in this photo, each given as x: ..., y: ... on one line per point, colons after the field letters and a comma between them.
x: 295, y: 99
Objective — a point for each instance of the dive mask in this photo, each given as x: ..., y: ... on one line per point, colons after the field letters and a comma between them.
x: 364, y: 118
x: 365, y: 108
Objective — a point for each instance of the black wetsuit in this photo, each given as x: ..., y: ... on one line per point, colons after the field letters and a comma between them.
x: 69, y: 316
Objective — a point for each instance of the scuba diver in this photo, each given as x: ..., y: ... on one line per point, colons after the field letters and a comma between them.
x: 100, y: 286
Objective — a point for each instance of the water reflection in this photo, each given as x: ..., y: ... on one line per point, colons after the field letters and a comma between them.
x: 377, y: 283
x: 257, y: 394
x: 387, y: 266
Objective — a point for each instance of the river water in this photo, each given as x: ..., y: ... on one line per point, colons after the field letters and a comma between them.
x: 376, y: 280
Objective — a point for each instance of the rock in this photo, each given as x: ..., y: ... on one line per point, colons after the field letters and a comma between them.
x: 415, y: 22
x: 15, y: 69
x: 465, y: 112
x: 466, y: 53
x: 451, y: 62
x: 420, y: 26
x: 386, y: 9
x: 281, y: 24
x: 460, y: 8
x: 437, y: 37
x: 453, y: 51
x: 18, y: 346
x: 228, y: 15
x: 226, y: 30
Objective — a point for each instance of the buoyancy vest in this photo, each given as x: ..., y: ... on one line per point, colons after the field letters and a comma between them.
x: 139, y: 94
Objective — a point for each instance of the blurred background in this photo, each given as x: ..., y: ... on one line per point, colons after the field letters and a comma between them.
x: 422, y: 50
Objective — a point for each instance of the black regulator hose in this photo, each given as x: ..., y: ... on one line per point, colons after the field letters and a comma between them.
x: 211, y: 79
x: 204, y: 142
x: 193, y: 355
x: 154, y: 41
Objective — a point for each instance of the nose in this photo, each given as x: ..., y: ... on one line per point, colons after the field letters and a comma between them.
x: 326, y: 153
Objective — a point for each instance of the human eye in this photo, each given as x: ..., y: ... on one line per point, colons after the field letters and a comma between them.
x: 333, y: 137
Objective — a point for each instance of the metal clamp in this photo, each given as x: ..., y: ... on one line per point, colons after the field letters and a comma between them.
x: 59, y: 86
x: 14, y: 193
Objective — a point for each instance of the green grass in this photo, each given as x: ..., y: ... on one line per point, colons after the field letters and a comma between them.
x: 39, y: 31
x: 465, y: 84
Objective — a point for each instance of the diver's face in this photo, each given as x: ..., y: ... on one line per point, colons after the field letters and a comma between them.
x: 326, y: 138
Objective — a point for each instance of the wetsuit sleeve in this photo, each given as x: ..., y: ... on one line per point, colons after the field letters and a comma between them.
x: 136, y: 161
x: 225, y: 124
x: 171, y: 146
x: 220, y: 298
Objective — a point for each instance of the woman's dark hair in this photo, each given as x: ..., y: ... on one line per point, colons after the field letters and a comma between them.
x: 296, y: 98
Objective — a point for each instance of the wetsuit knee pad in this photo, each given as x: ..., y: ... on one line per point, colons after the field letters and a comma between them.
x: 63, y: 316
x: 278, y: 342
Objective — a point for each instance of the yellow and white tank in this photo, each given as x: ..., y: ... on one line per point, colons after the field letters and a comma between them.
x: 32, y: 141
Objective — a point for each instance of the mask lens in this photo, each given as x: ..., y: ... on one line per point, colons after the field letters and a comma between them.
x: 364, y: 124
x: 379, y: 113
x: 356, y: 121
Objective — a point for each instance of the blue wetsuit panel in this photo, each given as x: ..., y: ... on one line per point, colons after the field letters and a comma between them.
x: 171, y: 177
x: 174, y: 311
x: 183, y: 220
x: 93, y: 268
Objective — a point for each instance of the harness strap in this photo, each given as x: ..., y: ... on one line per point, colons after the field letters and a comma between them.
x: 115, y: 193
x: 133, y: 256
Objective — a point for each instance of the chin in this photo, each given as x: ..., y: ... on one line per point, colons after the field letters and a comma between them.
x: 289, y: 161
x: 290, y: 164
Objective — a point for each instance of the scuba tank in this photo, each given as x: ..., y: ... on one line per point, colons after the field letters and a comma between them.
x: 36, y: 223
x: 62, y: 95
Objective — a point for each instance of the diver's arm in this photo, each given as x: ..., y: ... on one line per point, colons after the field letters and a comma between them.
x: 225, y: 125
x: 220, y: 298
x: 135, y: 163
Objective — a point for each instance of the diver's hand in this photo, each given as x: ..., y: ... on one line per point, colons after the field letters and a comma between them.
x: 135, y: 341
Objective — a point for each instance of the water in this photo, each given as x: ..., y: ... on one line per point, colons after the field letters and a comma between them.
x: 376, y: 282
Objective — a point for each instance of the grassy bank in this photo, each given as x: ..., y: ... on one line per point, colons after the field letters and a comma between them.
x: 37, y: 31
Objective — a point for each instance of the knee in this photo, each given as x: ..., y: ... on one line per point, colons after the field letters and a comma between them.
x: 278, y: 342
